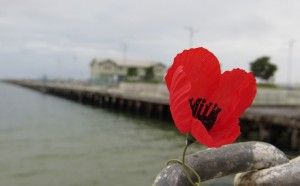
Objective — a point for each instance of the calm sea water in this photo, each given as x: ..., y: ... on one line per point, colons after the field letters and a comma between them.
x: 49, y: 141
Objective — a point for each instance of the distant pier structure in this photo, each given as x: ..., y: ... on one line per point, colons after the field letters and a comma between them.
x: 136, y: 98
x: 274, y: 116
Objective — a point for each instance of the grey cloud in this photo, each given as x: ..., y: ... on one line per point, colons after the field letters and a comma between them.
x: 235, y: 30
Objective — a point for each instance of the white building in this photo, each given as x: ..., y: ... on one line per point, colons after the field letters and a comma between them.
x: 112, y: 71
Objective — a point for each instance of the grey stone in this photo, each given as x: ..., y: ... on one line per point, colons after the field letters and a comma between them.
x: 217, y: 162
x: 287, y: 174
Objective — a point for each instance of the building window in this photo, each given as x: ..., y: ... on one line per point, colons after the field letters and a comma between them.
x: 158, y: 70
x: 107, y: 67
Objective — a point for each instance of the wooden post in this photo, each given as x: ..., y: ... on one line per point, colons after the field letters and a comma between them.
x: 137, y: 107
x: 159, y: 108
x: 113, y: 103
x: 264, y: 134
x: 95, y: 99
x: 148, y: 109
x: 129, y: 106
x: 121, y: 104
x: 294, y: 139
x: 101, y: 101
x: 79, y: 97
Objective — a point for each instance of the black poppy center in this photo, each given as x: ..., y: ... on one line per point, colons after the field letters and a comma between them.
x: 206, y: 112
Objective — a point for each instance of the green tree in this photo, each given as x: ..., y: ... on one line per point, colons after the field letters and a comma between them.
x: 262, y: 68
x: 132, y: 71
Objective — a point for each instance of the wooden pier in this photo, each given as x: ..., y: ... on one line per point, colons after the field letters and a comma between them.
x: 278, y: 124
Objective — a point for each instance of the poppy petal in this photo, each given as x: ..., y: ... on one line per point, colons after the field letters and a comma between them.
x: 202, y: 68
x: 179, y: 95
x: 228, y: 95
x: 209, y: 139
x: 200, y: 133
x: 247, y: 95
x: 178, y: 60
x: 226, y: 135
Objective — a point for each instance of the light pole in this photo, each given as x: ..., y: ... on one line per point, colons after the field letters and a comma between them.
x: 191, y: 31
x: 58, y: 70
x: 124, y: 45
x: 75, y: 67
x: 290, y: 50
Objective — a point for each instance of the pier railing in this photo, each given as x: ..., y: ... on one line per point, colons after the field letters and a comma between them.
x: 277, y: 97
x: 265, y: 97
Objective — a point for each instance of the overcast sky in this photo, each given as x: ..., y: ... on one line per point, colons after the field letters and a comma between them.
x: 59, y: 38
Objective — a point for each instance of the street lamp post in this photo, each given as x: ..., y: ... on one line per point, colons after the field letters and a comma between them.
x: 290, y: 50
x: 191, y: 31
x: 124, y: 46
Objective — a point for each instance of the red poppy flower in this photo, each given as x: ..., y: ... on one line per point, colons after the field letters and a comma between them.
x: 204, y: 102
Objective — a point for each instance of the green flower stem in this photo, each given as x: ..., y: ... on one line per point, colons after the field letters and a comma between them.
x: 186, y: 167
x: 190, y: 139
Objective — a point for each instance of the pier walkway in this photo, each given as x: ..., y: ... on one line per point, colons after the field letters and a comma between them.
x: 273, y: 113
